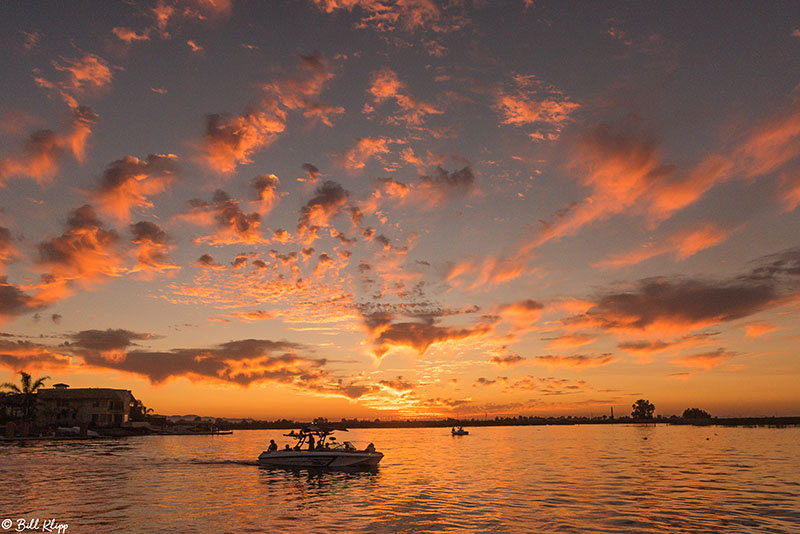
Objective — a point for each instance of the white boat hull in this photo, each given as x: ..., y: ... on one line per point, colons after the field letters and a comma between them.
x: 320, y: 459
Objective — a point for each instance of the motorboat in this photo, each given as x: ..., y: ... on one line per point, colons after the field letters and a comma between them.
x: 316, y: 448
x: 459, y: 432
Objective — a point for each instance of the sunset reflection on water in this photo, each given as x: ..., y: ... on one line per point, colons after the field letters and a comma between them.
x: 498, y: 479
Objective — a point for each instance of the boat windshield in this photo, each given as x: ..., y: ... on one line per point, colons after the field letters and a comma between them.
x: 319, y: 434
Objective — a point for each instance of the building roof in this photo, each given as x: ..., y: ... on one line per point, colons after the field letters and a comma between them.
x: 84, y: 393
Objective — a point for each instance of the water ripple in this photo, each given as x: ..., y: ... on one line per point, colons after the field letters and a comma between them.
x: 603, y: 479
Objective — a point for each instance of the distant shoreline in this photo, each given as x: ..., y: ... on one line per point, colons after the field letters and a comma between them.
x: 521, y: 421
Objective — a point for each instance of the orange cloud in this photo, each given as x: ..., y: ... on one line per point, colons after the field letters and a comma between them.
x: 129, y: 36
x: 385, y: 85
x: 578, y: 361
x: 364, y: 149
x: 387, y: 15
x: 519, y: 110
x: 469, y: 275
x: 770, y: 145
x: 568, y: 341
x: 266, y: 187
x: 522, y: 314
x: 706, y: 360
x: 89, y: 73
x: 153, y: 246
x: 791, y: 190
x: 619, y: 163
x: 682, y: 244
x: 534, y: 103
x: 301, y: 89
x: 759, y: 329
x: 27, y: 356
x: 622, y: 166
x: 232, y: 224
x: 84, y: 253
x: 329, y: 200
x: 128, y: 182
x: 231, y: 141
x: 251, y: 316
x: 43, y: 151
x: 549, y: 385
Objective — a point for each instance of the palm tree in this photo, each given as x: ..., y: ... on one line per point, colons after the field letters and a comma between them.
x: 28, y: 389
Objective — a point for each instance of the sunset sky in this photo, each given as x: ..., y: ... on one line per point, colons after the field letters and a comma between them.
x: 403, y: 208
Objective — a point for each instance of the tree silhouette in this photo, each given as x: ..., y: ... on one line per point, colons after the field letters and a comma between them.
x: 643, y: 409
x: 28, y: 389
x: 696, y: 413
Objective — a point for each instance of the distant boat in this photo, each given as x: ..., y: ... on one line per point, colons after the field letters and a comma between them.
x: 323, y: 455
x: 459, y: 432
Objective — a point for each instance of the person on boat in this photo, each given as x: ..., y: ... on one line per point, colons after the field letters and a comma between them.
x: 310, y: 442
x: 272, y: 446
x: 370, y: 448
x: 327, y: 446
x: 319, y: 446
x: 287, y: 448
x: 453, y: 430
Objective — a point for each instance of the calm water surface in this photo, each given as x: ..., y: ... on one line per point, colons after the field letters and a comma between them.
x: 502, y: 479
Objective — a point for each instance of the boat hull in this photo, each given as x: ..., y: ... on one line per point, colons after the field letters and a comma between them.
x: 320, y: 459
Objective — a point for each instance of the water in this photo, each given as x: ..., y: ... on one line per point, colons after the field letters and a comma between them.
x: 503, y: 479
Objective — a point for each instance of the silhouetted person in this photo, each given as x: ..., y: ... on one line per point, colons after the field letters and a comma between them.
x: 328, y: 446
x: 288, y: 448
x: 272, y: 446
x: 370, y: 448
x: 310, y: 443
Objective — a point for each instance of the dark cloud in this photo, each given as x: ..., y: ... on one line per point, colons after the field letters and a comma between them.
x: 645, y: 346
x: 233, y: 225
x: 329, y: 200
x: 481, y: 381
x: 679, y: 302
x: 462, y: 179
x: 24, y: 355
x: 7, y: 250
x: 420, y: 336
x: 511, y: 359
x: 149, y: 232
x: 577, y: 361
x: 107, y: 340
x: 398, y: 384
x: 312, y: 172
x: 240, y: 362
x: 778, y: 265
x: 207, y: 261
x: 14, y: 302
x: 266, y: 188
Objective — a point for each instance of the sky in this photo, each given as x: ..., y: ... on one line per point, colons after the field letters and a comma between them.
x: 403, y: 208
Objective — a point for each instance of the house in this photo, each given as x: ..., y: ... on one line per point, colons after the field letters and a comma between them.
x: 97, y: 407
